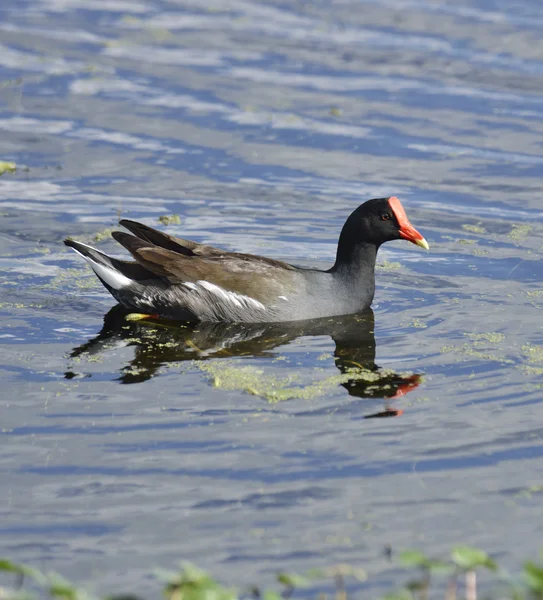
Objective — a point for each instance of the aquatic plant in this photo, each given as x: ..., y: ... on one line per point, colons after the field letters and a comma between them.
x: 434, y: 578
x: 7, y: 167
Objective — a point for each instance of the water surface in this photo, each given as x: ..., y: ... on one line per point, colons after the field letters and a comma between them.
x: 262, y: 125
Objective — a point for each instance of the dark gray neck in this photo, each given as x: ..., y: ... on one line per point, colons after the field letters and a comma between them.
x: 355, y: 269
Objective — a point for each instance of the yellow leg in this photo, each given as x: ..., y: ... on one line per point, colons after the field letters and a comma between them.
x: 140, y: 317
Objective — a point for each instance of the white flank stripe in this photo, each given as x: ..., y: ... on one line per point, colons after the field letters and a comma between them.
x: 238, y: 299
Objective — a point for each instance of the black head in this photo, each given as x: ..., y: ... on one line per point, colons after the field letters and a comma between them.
x: 374, y: 223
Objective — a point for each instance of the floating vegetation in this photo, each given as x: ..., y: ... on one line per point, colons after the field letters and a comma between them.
x: 469, y: 351
x: 19, y: 305
x: 80, y: 278
x: 387, y: 265
x: 417, y: 323
x: 519, y: 232
x: 253, y: 380
x: 472, y: 349
x: 41, y: 250
x: 474, y: 228
x: 335, y: 111
x: 103, y: 234
x: 7, y: 167
x: 99, y: 236
x: 491, y: 338
x: 528, y: 358
x: 533, y: 353
x: 170, y: 219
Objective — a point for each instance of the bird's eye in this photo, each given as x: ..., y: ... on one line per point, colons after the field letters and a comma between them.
x: 385, y: 217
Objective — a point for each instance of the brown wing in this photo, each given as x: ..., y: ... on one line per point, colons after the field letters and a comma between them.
x: 169, y: 242
x: 258, y: 277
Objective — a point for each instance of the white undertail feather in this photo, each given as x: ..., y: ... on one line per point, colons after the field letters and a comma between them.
x: 111, y: 276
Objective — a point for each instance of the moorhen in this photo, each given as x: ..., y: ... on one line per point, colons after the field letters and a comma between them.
x: 181, y: 279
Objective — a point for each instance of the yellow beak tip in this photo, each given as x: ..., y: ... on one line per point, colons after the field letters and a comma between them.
x: 423, y: 244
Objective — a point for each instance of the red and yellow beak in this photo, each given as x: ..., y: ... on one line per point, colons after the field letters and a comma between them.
x: 407, y: 231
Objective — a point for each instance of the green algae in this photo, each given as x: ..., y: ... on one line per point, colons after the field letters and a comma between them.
x: 160, y: 34
x: 135, y: 371
x: 389, y: 266
x: 530, y: 370
x: 7, y: 167
x: 532, y: 387
x: 19, y: 305
x: 103, y: 234
x: 170, y: 219
x: 253, y: 380
x: 490, y: 337
x: 474, y: 228
x: 469, y: 351
x: 80, y: 278
x: 519, y: 232
x: 41, y: 250
x: 99, y: 236
x: 533, y: 353
x: 529, y: 492
x: 529, y: 355
x: 472, y: 349
x: 417, y: 323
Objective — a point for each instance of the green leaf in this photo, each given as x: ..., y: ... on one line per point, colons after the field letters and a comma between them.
x: 192, y: 583
x: 534, y: 575
x: 11, y: 567
x: 64, y: 590
x: 414, y: 558
x: 272, y: 595
x: 8, y: 566
x: 292, y: 580
x: 468, y: 558
x: 440, y: 567
x: 400, y: 595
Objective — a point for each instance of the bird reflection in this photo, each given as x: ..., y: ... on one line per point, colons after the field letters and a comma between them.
x: 159, y: 342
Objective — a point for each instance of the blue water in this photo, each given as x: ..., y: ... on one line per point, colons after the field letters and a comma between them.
x: 262, y: 125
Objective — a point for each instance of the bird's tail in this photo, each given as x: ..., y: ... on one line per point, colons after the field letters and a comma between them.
x: 108, y: 270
